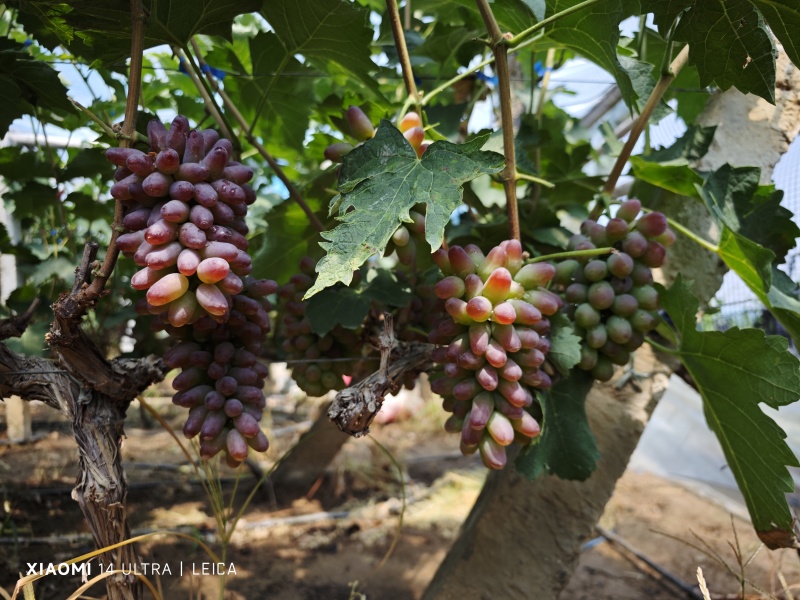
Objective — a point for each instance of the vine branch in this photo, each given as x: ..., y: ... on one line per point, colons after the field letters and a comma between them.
x: 641, y: 122
x: 508, y: 175
x: 402, y: 50
x: 294, y: 193
x: 95, y: 289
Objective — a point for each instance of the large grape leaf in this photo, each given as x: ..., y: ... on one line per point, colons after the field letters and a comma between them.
x: 102, y: 30
x: 734, y: 197
x: 735, y: 371
x: 566, y: 447
x: 512, y: 15
x: 27, y: 84
x: 379, y: 183
x: 333, y: 35
x: 280, y: 105
x: 331, y: 307
x: 783, y: 17
x: 730, y: 45
x: 593, y: 32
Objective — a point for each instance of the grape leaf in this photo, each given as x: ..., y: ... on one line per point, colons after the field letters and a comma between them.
x: 733, y: 196
x: 28, y: 84
x: 565, y: 346
x: 102, y: 30
x: 734, y: 371
x: 282, y: 103
x: 381, y: 181
x: 566, y: 447
x: 783, y: 17
x: 336, y: 306
x: 643, y: 82
x: 730, y: 45
x: 666, y: 11
x: 679, y: 179
x: 593, y: 32
x: 385, y: 288
x: 333, y: 35
x: 511, y: 15
x: 692, y: 145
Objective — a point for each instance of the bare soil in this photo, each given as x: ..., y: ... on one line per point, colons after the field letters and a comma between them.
x: 346, y: 537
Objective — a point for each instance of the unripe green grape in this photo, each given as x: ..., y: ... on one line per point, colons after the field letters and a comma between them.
x: 586, y: 316
x: 564, y: 271
x: 576, y: 293
x: 604, y: 369
x: 497, y: 286
x: 596, y: 336
x: 479, y: 308
x: 643, y: 321
x: 620, y: 265
x: 646, y: 296
x: 641, y: 274
x: 601, y: 295
x: 597, y: 233
x: 595, y: 270
x: 449, y: 287
x: 619, y: 329
x: 624, y: 305
x: 588, y: 358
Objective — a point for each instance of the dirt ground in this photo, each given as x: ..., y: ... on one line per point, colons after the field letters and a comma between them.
x: 346, y: 538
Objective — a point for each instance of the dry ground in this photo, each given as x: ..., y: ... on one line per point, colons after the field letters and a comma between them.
x: 335, y: 541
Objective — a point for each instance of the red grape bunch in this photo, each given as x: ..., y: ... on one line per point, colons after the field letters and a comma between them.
x: 492, y: 345
x: 185, y: 207
x: 361, y: 129
x: 314, y: 372
x: 221, y: 380
x: 610, y: 298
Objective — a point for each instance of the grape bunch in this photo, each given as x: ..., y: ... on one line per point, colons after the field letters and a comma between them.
x: 317, y: 374
x: 361, y: 129
x: 492, y: 346
x: 610, y: 298
x: 221, y: 380
x: 185, y: 204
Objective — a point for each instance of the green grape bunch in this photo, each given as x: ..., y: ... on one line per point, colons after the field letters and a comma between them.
x: 611, y: 299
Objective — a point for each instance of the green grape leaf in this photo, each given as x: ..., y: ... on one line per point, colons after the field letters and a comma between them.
x: 102, y: 30
x: 386, y: 289
x: 20, y: 164
x: 666, y: 11
x: 565, y: 346
x: 381, y: 181
x: 28, y: 84
x: 643, y: 82
x: 333, y: 35
x: 511, y: 15
x: 692, y: 145
x: 783, y: 17
x: 566, y: 447
x: 288, y: 238
x: 336, y: 306
x: 679, y: 179
x: 33, y: 199
x: 735, y: 371
x: 281, y: 106
x: 730, y: 45
x: 733, y: 196
x: 593, y: 32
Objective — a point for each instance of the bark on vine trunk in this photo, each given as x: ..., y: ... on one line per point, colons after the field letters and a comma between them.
x: 97, y: 424
x: 522, y: 538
